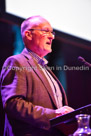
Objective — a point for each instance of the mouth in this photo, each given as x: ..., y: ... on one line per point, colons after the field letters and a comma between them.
x: 49, y: 43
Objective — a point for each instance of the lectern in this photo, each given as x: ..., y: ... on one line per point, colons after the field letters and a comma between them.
x: 67, y: 123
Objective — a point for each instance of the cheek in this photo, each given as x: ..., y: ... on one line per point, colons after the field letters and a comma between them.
x: 37, y: 41
x: 42, y: 41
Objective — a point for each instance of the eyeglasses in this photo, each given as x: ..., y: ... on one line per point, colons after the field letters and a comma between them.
x: 45, y: 31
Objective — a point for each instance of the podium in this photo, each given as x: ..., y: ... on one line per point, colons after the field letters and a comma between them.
x: 67, y: 123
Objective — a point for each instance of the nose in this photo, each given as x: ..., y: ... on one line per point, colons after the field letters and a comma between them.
x: 51, y: 36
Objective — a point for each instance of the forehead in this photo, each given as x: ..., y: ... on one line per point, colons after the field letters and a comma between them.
x: 45, y: 25
x: 40, y: 23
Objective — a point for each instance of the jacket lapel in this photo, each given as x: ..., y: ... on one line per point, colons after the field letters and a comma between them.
x: 39, y: 73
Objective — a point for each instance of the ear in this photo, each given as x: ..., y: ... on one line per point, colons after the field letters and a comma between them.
x: 28, y: 35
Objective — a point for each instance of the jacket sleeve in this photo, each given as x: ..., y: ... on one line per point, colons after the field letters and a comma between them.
x: 13, y: 91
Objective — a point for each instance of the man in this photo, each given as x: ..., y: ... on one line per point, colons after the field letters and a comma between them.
x: 31, y: 93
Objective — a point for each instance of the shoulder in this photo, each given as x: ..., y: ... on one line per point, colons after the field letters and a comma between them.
x: 18, y: 61
x: 20, y: 58
x: 13, y: 59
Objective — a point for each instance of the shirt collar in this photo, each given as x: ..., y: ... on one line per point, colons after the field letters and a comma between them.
x: 41, y: 61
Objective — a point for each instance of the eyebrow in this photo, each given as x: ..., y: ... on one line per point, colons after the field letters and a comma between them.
x: 46, y: 28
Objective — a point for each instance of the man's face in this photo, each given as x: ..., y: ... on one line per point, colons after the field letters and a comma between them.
x: 42, y: 39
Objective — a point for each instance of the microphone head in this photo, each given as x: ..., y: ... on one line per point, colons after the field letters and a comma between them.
x: 81, y: 59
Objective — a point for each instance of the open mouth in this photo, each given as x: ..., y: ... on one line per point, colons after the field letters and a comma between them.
x: 49, y: 43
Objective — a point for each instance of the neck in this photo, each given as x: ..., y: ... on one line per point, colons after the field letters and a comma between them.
x: 40, y: 54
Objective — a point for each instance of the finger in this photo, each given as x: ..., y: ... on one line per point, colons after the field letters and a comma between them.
x: 69, y: 108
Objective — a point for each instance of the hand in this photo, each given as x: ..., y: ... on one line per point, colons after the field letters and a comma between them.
x: 63, y: 110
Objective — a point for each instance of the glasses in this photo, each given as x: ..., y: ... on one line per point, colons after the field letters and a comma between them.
x: 45, y: 31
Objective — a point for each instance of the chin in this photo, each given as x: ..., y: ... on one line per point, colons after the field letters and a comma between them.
x: 48, y: 51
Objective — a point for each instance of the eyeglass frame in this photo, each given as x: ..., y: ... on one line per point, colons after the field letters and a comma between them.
x: 46, y: 31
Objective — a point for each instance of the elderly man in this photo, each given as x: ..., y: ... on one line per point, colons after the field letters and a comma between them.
x: 31, y: 94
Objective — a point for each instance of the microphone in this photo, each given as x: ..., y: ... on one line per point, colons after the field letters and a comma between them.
x: 81, y: 59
